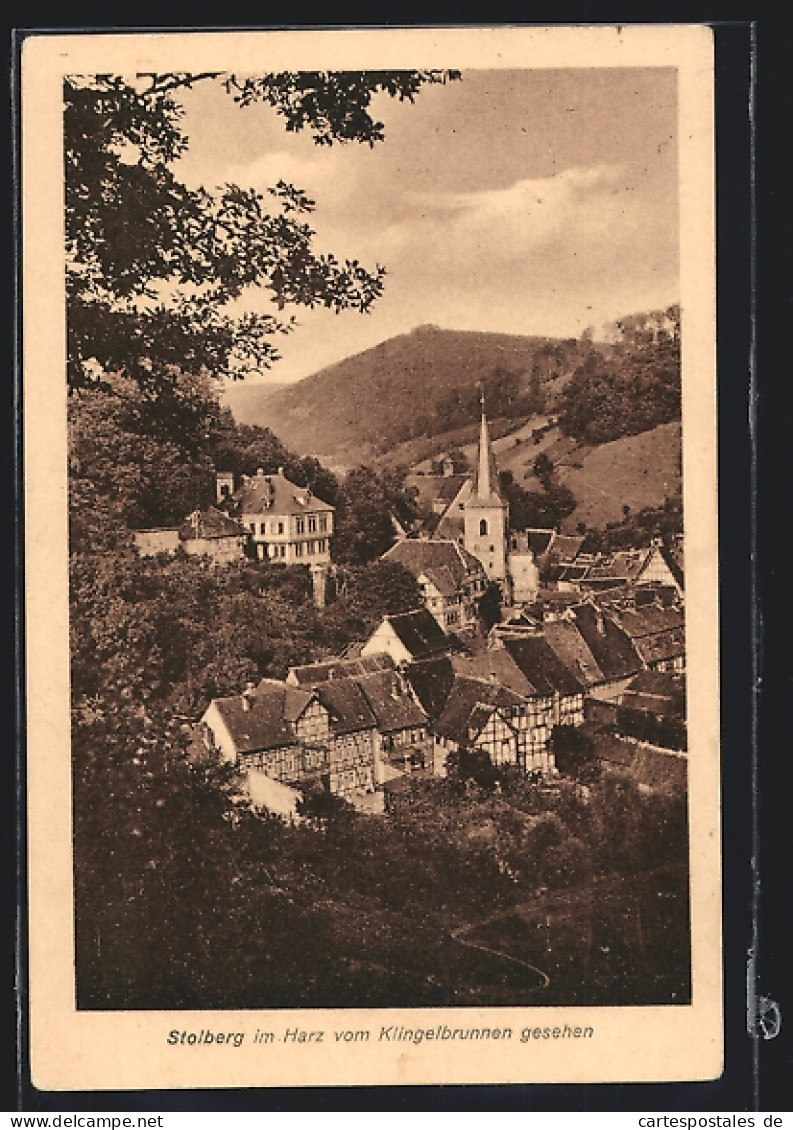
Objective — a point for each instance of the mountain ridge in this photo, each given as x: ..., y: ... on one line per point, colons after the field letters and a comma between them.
x: 405, y: 387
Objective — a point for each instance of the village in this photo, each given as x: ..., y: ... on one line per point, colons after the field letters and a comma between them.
x: 591, y: 643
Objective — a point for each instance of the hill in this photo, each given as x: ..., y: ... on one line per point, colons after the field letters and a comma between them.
x: 415, y: 386
x: 635, y: 471
x: 246, y: 400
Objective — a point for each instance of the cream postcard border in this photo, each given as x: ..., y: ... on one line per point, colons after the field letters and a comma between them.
x: 73, y: 1050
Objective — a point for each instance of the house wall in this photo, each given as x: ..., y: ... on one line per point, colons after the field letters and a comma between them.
x: 385, y: 640
x: 151, y: 542
x: 286, y: 765
x: 294, y: 539
x: 272, y: 795
x: 313, y: 725
x: 221, y: 739
x: 219, y: 549
x: 524, y: 577
x: 656, y: 571
x: 351, y: 763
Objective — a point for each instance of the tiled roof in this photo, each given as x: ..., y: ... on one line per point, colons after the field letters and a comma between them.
x: 347, y: 705
x: 294, y: 700
x: 274, y: 494
x: 495, y: 665
x: 391, y: 703
x: 542, y: 667
x: 262, y: 726
x: 450, y: 486
x: 660, y: 771
x: 613, y: 651
x: 648, y: 620
x: 431, y: 681
x: 209, y: 523
x: 572, y: 649
x: 421, y: 556
x: 565, y: 548
x: 540, y: 541
x: 657, y: 633
x: 464, y: 707
x: 312, y: 673
x: 443, y: 580
x: 420, y: 633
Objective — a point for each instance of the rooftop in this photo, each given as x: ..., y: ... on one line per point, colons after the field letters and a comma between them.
x: 275, y: 494
x: 420, y: 633
x: 208, y: 524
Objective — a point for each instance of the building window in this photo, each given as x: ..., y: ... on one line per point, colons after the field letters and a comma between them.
x: 280, y: 528
x: 312, y: 525
x: 298, y: 549
x: 282, y: 550
x: 322, y: 544
x: 311, y: 547
x: 262, y: 528
x: 300, y: 525
x: 323, y: 524
x: 483, y: 527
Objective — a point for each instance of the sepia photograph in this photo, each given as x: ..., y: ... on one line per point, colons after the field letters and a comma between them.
x: 375, y: 467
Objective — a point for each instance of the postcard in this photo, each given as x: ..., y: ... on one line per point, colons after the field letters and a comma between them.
x: 369, y: 397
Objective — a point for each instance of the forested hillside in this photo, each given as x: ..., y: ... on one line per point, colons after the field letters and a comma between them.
x: 418, y: 385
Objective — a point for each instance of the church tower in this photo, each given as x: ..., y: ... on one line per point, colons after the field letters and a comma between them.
x: 485, y: 511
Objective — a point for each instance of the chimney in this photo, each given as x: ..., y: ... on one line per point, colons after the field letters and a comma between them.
x: 248, y: 695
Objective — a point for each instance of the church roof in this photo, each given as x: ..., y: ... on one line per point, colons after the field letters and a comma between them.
x: 485, y: 492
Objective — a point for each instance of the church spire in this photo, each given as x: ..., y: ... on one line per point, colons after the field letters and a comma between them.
x: 486, y: 474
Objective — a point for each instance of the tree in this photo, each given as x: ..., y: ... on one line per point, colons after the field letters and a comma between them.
x: 367, y: 503
x: 573, y: 751
x: 489, y: 606
x: 153, y: 268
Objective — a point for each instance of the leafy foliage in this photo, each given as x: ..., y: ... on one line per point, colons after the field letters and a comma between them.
x: 632, y: 388
x: 154, y: 268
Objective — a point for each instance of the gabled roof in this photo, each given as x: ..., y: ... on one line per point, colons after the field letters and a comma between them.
x: 208, y: 524
x: 431, y: 556
x: 496, y: 666
x: 347, y: 705
x: 419, y: 632
x: 442, y: 579
x: 647, y: 620
x: 274, y: 494
x: 657, y: 633
x: 431, y: 681
x: 262, y: 725
x: 572, y: 649
x: 294, y: 700
x: 469, y: 705
x: 540, y: 541
x: 565, y: 548
x: 390, y: 703
x: 312, y: 673
x: 624, y: 565
x: 449, y: 487
x: 613, y: 651
x: 542, y: 667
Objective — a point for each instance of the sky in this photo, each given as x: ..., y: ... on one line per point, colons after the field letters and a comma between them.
x: 515, y: 201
